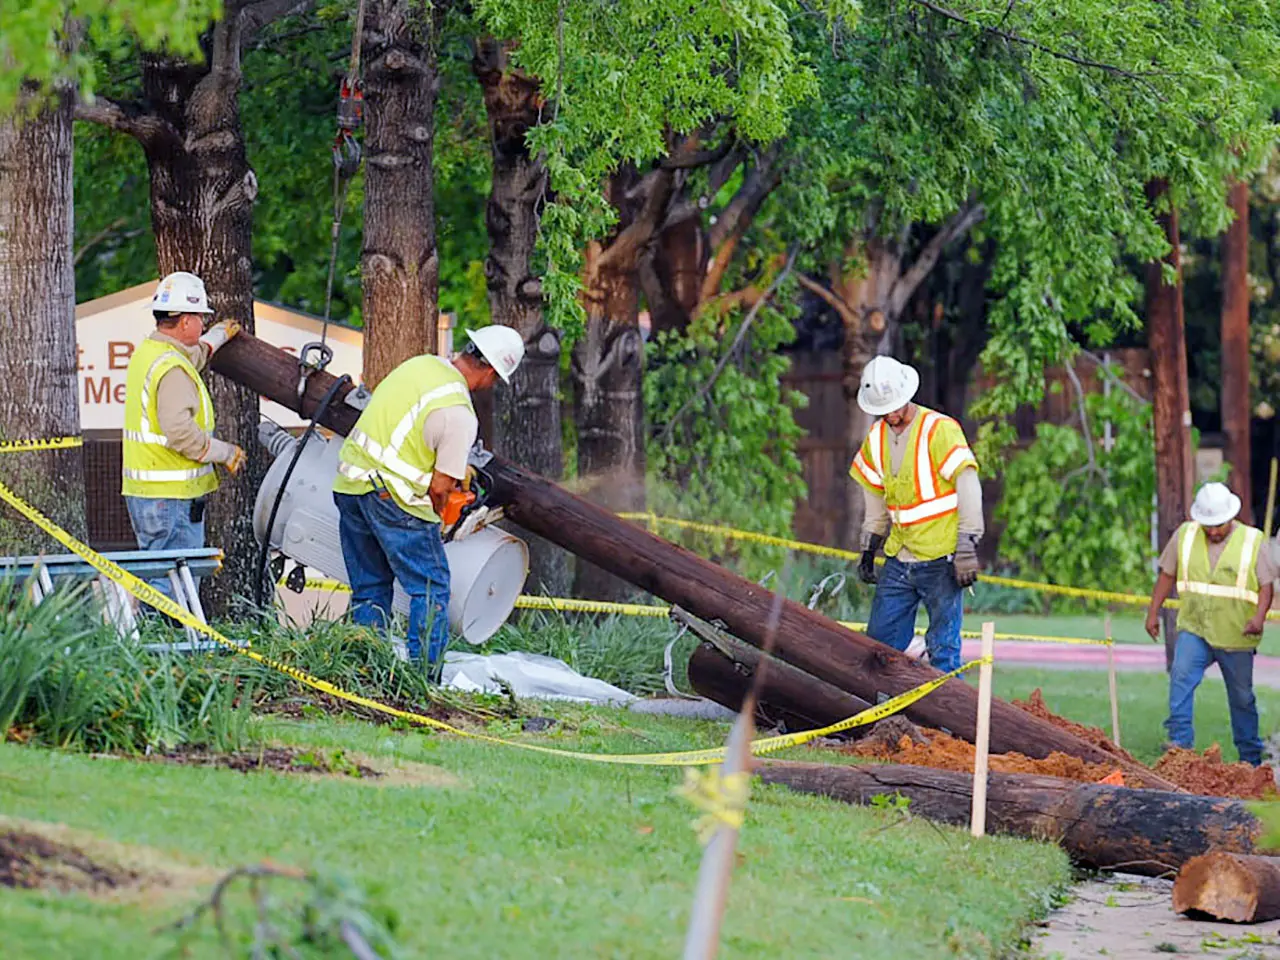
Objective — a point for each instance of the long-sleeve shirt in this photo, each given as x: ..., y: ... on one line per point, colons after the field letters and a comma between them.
x: 875, y: 520
x: 177, y: 402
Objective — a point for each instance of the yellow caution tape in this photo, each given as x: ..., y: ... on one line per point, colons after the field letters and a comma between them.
x: 1036, y: 637
x: 149, y: 595
x: 652, y: 520
x: 53, y: 443
x: 722, y: 797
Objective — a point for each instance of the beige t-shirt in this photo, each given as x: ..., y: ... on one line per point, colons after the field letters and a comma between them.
x: 1267, y: 571
x: 450, y: 432
x: 875, y: 518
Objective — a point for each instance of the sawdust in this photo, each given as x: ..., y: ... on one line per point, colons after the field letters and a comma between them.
x: 1035, y: 705
x: 1208, y: 776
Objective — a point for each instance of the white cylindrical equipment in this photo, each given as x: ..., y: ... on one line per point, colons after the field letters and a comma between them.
x: 487, y: 570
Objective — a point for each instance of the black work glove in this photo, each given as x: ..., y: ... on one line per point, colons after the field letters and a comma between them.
x: 965, y: 562
x: 867, y: 566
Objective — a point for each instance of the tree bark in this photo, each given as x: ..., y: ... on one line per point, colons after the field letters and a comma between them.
x: 1229, y: 886
x: 399, y: 268
x: 1171, y: 413
x: 671, y: 277
x: 787, y: 696
x: 1236, y: 413
x: 1148, y: 832
x: 37, y: 322
x: 608, y: 363
x: 526, y: 421
x: 851, y: 661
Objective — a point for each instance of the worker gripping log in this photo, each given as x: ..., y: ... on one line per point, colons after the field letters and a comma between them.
x: 169, y: 448
x: 923, y: 506
x: 400, y: 476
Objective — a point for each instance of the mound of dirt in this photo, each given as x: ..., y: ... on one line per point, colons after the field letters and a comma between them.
x: 278, y: 759
x: 923, y: 747
x: 32, y: 862
x: 1208, y: 776
x: 1035, y: 706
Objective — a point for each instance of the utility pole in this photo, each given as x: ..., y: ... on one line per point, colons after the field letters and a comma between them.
x: 1235, y: 348
x: 1171, y: 396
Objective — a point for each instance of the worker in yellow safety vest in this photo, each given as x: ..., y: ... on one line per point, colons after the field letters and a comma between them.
x: 1225, y: 578
x: 923, y: 505
x: 169, y: 449
x: 406, y: 454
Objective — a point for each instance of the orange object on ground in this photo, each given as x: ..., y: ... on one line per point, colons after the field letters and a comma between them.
x: 453, y: 506
x: 1114, y: 779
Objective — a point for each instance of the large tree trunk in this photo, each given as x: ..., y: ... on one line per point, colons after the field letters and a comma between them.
x: 1235, y: 348
x: 202, y: 194
x: 526, y: 421
x: 399, y: 269
x: 672, y: 277
x: 37, y: 322
x: 804, y: 638
x: 1148, y: 832
x: 608, y: 363
x: 1171, y: 411
x: 1229, y: 886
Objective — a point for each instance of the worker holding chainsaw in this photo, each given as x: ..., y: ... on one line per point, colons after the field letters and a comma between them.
x: 400, y: 476
x: 923, y: 505
x: 169, y: 448
x: 1224, y: 574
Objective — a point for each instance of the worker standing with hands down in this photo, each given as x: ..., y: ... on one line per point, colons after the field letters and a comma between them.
x: 1224, y: 574
x: 923, y: 505
x: 169, y: 448
x: 406, y: 454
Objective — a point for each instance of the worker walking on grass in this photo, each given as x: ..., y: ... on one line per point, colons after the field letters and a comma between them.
x: 406, y: 454
x: 169, y: 448
x: 1225, y: 578
x: 923, y: 505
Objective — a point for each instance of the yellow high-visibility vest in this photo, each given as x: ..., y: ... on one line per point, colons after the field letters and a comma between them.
x: 1217, y: 603
x: 921, y: 495
x: 386, y: 442
x: 151, y: 469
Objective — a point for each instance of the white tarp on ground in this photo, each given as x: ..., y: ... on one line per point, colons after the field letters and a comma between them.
x: 528, y: 675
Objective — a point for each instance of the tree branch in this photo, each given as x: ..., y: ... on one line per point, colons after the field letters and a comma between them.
x: 1110, y: 375
x: 1092, y: 466
x: 127, y: 117
x: 833, y: 299
x: 625, y: 248
x: 733, y: 347
x: 96, y: 239
x: 961, y: 222
x: 255, y: 16
x: 1035, y: 44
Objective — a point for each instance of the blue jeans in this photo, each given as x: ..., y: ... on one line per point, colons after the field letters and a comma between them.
x: 381, y: 544
x: 1191, y: 657
x: 162, y: 524
x: 901, y: 589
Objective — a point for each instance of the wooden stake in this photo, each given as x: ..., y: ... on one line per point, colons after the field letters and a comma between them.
x: 978, y: 819
x: 1111, y: 683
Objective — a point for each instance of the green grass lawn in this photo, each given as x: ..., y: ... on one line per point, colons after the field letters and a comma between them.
x: 1082, y: 696
x: 532, y: 856
x: 1125, y: 627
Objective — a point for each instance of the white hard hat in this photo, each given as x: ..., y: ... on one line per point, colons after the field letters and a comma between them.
x: 181, y: 293
x: 502, y: 346
x: 1215, y: 505
x: 887, y: 385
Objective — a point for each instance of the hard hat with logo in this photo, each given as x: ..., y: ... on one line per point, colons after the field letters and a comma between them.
x: 502, y: 346
x: 887, y: 385
x: 181, y: 293
x: 1215, y: 505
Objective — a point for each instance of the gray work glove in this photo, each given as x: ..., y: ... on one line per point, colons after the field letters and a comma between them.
x: 965, y: 562
x: 867, y: 566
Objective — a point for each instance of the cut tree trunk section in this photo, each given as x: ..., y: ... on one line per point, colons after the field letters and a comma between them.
x: 1147, y: 832
x: 1229, y: 886
x: 526, y: 421
x: 787, y: 697
x: 1235, y: 405
x: 38, y: 355
x: 1171, y: 398
x: 399, y: 269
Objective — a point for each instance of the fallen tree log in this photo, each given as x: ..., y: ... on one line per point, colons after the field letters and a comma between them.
x: 1149, y: 832
x: 788, y: 697
x: 851, y: 661
x: 1229, y: 886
